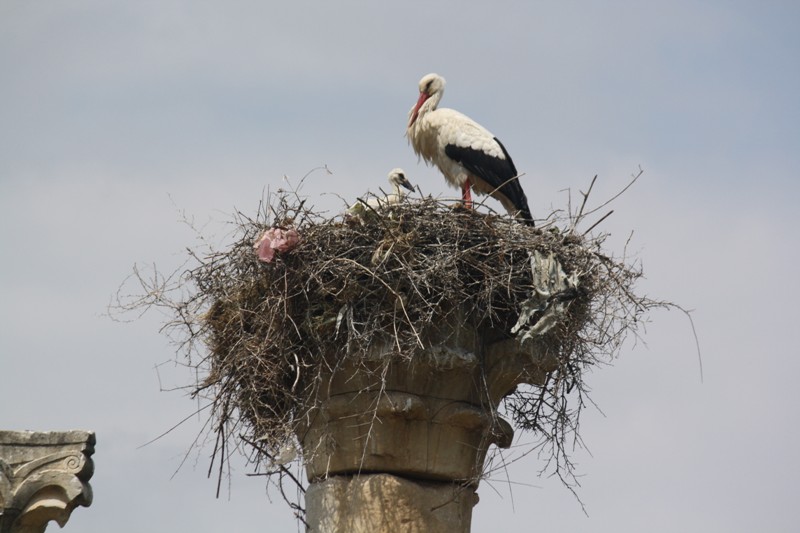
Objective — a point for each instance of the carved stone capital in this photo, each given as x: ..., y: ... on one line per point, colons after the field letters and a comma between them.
x: 432, y: 416
x: 393, y: 443
x: 43, y: 477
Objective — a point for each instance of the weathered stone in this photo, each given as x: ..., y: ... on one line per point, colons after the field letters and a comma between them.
x: 43, y: 477
x: 394, y: 443
x: 383, y: 503
x: 432, y: 416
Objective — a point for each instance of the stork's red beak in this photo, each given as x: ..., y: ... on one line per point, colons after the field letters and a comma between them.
x: 415, y: 112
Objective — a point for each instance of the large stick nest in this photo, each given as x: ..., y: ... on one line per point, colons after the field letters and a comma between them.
x: 260, y: 329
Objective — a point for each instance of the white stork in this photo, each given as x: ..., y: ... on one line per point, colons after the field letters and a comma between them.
x: 467, y: 154
x: 397, y: 178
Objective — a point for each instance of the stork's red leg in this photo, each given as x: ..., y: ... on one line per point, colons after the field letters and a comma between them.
x: 466, y: 194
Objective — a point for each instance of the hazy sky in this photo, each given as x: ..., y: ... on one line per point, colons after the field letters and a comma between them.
x: 117, y: 118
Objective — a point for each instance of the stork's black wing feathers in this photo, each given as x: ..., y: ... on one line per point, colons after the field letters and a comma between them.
x: 498, y: 173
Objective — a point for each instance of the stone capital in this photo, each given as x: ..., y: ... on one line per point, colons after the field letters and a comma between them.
x: 43, y: 477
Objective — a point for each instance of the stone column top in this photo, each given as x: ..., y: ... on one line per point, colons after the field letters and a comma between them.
x: 43, y: 477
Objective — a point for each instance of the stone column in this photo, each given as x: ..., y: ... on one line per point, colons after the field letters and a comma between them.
x: 43, y: 477
x: 394, y: 444
x: 384, y: 503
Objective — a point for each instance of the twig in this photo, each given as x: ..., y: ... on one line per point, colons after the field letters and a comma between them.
x: 598, y: 222
x: 585, y: 195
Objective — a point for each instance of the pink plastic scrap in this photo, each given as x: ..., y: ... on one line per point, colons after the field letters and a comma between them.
x: 275, y: 240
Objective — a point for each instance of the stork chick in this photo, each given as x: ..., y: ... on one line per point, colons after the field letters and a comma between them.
x: 397, y: 178
x: 467, y: 154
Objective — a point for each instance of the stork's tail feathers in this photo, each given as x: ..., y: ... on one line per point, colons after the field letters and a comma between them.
x: 524, y: 216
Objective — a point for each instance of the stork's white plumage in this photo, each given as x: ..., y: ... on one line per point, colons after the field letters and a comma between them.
x: 397, y: 178
x: 467, y: 154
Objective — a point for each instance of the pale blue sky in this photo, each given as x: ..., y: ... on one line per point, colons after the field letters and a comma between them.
x: 115, y: 117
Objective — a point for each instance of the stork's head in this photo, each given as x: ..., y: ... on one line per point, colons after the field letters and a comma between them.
x: 398, y: 179
x: 431, y: 89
